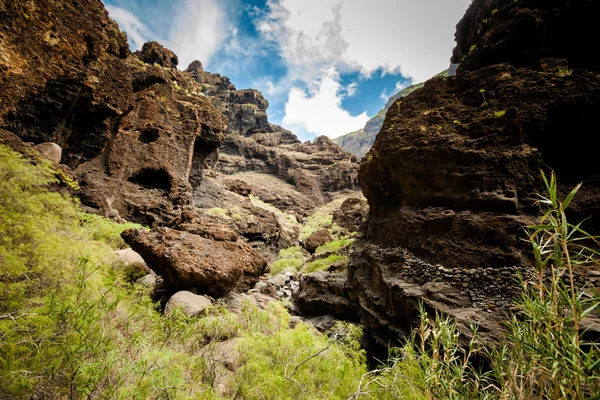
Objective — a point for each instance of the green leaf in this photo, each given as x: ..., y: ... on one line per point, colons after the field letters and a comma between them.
x: 589, y: 310
x: 571, y: 195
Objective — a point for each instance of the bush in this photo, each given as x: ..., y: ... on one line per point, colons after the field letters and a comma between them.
x: 106, y: 230
x: 299, y: 364
x: 334, y: 246
x: 286, y: 265
x: 218, y: 212
x: 290, y: 260
x: 323, y: 263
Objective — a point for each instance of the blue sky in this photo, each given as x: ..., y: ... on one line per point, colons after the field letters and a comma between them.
x: 326, y: 66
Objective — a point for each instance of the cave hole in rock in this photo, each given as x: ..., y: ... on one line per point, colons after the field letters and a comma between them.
x: 202, y: 151
x: 148, y: 135
x: 152, y: 178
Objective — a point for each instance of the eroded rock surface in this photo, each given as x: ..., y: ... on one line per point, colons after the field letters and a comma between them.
x: 253, y: 145
x: 135, y: 130
x: 316, y: 239
x: 325, y: 293
x: 187, y: 260
x: 451, y: 174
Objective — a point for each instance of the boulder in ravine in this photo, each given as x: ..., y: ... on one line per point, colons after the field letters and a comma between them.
x: 316, y: 239
x: 325, y: 293
x: 453, y: 170
x: 192, y: 305
x: 50, y: 151
x: 189, y: 261
x: 351, y: 214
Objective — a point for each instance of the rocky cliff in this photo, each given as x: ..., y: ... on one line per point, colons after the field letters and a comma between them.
x: 253, y: 145
x: 264, y: 180
x: 451, y: 174
x: 142, y: 137
x: 134, y: 129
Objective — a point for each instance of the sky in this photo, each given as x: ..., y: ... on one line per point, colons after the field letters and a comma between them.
x: 326, y: 66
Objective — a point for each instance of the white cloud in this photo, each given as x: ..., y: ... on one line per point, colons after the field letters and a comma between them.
x: 197, y: 31
x: 319, y: 112
x: 137, y: 32
x: 401, y: 85
x: 413, y: 36
x: 351, y: 89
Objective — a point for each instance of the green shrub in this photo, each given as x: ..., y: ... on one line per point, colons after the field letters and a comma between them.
x: 217, y: 212
x: 105, y: 229
x: 298, y: 364
x: 286, y: 265
x: 290, y: 259
x: 334, y: 246
x: 291, y: 252
x: 323, y: 263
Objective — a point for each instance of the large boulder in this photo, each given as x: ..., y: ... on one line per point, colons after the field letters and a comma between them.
x: 352, y: 213
x: 316, y: 239
x: 50, y: 151
x: 189, y: 261
x: 192, y: 305
x: 325, y: 293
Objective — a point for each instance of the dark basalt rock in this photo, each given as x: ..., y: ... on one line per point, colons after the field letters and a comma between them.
x: 351, y: 214
x: 325, y: 293
x: 155, y: 53
x: 451, y: 174
x: 316, y: 239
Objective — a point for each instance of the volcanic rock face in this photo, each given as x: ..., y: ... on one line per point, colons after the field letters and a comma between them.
x: 451, y: 173
x: 136, y: 131
x: 58, y: 84
x: 257, y: 146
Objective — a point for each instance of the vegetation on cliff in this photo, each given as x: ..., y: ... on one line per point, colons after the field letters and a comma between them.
x: 72, y: 326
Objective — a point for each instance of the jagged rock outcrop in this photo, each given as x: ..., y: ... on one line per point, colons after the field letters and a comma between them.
x: 325, y: 293
x: 136, y: 131
x: 451, y: 174
x: 351, y: 214
x: 254, y: 145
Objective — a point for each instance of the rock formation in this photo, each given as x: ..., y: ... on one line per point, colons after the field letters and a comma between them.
x: 135, y: 130
x: 204, y: 263
x: 451, y: 174
x: 253, y: 145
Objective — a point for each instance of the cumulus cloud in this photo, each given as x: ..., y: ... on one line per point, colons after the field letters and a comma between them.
x: 319, y: 111
x: 415, y: 37
x: 197, y: 31
x: 137, y: 32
